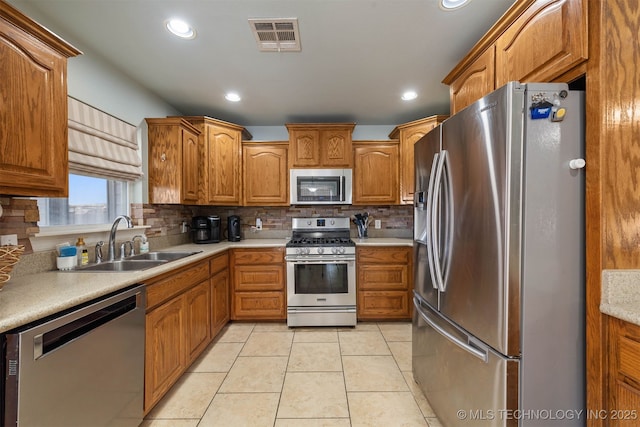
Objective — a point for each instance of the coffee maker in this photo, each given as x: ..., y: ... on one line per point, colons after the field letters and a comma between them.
x: 233, y: 228
x: 205, y: 229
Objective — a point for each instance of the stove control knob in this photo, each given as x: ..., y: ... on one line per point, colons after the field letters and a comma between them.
x: 333, y: 222
x: 335, y: 250
x: 306, y: 251
x: 320, y: 251
x: 341, y: 249
x: 309, y: 223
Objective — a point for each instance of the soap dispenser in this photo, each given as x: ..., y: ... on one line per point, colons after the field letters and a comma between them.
x: 81, y: 252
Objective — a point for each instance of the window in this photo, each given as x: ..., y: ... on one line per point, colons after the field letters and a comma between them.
x: 91, y: 201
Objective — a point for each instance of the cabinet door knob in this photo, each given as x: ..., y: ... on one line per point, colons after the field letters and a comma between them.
x: 577, y: 164
x: 163, y: 157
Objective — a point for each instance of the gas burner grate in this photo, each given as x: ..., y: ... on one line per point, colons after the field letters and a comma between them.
x: 320, y: 241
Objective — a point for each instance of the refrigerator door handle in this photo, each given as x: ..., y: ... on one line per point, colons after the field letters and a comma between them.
x: 448, y: 241
x: 419, y: 203
x: 435, y: 223
x: 471, y: 346
x: 430, y: 213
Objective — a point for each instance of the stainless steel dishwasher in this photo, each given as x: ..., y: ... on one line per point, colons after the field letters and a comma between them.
x: 83, y: 367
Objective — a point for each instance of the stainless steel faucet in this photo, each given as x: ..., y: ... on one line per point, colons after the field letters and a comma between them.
x: 111, y: 255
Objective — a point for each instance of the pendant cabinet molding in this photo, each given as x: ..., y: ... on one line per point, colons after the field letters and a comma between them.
x: 33, y: 120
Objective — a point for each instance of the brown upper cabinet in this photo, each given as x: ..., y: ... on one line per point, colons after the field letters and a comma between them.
x: 33, y: 134
x: 265, y: 174
x: 475, y: 81
x: 409, y: 134
x: 220, y: 148
x: 173, y: 161
x: 375, y: 173
x: 536, y: 40
x: 325, y: 145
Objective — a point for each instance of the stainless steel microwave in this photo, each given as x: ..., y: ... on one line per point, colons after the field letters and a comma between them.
x: 320, y: 186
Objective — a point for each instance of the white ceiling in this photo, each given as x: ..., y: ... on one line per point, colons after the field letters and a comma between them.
x: 357, y: 57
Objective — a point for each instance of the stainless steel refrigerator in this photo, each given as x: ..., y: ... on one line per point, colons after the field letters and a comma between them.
x: 498, y: 326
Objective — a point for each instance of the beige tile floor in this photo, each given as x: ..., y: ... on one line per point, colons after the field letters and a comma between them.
x: 265, y: 374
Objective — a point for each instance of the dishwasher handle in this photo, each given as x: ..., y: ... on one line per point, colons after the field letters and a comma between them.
x: 48, y: 341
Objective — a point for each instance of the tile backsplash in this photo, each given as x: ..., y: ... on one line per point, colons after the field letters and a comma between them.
x: 396, y: 221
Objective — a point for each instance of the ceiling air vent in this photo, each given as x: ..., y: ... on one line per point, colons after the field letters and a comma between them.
x: 276, y: 35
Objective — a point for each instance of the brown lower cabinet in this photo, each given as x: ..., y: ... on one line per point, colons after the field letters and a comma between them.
x: 623, y: 394
x: 384, y: 282
x: 258, y: 284
x: 220, y: 308
x: 186, y: 308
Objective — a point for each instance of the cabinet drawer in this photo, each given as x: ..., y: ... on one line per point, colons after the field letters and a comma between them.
x: 383, y: 304
x: 219, y: 263
x: 258, y: 278
x: 169, y: 286
x: 383, y: 277
x: 259, y: 305
x: 629, y: 362
x: 382, y: 255
x: 258, y: 256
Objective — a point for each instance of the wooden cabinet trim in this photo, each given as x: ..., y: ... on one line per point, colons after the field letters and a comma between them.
x: 28, y: 25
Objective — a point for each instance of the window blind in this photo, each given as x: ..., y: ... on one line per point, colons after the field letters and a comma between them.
x: 101, y: 145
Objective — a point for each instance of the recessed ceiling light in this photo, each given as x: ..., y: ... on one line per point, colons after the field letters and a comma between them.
x: 232, y: 96
x: 452, y: 4
x: 409, y: 95
x: 180, y: 28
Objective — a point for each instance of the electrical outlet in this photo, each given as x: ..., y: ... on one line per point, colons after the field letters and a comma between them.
x: 183, y: 227
x: 9, y: 239
x: 258, y: 224
x: 377, y: 223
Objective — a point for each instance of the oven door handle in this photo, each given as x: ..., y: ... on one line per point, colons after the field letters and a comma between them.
x: 325, y: 261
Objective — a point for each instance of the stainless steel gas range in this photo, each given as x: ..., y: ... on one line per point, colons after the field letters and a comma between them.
x: 321, y: 273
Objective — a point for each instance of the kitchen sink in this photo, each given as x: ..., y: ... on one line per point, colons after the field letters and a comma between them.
x: 162, y: 256
x: 121, y: 265
x: 136, y: 262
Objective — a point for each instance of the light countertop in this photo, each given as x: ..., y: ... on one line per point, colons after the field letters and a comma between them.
x: 32, y: 297
x: 621, y: 294
x: 384, y: 241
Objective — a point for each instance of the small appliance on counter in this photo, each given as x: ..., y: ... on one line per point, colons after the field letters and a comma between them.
x: 205, y: 229
x: 233, y: 228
